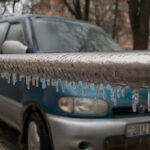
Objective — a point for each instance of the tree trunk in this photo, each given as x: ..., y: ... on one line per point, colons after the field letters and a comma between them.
x: 86, y: 10
x: 139, y: 13
x: 4, y: 7
x: 141, y: 36
x: 115, y: 20
x: 13, y: 5
x: 76, y: 9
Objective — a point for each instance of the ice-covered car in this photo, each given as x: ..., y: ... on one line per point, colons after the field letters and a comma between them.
x: 51, y: 115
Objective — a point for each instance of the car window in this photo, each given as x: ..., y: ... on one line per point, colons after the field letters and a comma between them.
x: 16, y: 33
x: 3, y: 30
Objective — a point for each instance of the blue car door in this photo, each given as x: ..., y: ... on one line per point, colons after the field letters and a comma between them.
x: 11, y: 92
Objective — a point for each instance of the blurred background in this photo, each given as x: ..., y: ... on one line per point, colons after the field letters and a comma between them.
x: 126, y: 21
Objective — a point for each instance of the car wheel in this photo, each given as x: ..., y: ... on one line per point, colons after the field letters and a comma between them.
x: 37, y: 137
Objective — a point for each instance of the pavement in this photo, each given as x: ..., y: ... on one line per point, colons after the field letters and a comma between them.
x: 8, y: 137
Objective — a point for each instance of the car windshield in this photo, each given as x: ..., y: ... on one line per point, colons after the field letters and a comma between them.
x: 55, y: 35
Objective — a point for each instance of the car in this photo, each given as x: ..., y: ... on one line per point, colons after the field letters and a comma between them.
x: 52, y: 119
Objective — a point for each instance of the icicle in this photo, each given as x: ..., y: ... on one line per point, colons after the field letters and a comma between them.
x: 71, y: 85
x: 37, y: 81
x: 83, y: 89
x: 54, y: 82
x: 104, y: 91
x: 28, y: 78
x: 119, y: 91
x: 135, y: 99
x: 89, y: 87
x: 8, y: 78
x: 48, y: 81
x: 123, y: 91
x: 96, y: 90
x: 21, y: 77
x: 7, y: 75
x: 3, y: 75
x: 148, y: 100
x: 76, y: 88
x: 113, y: 95
x: 14, y: 78
x: 57, y: 86
x: 63, y: 85
x: 43, y: 81
x: 33, y: 81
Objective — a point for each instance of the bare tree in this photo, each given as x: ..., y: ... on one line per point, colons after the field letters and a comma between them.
x: 40, y: 6
x: 5, y: 3
x: 3, y: 9
x: 115, y: 20
x: 74, y: 6
x: 139, y: 13
x: 97, y: 11
x: 13, y: 5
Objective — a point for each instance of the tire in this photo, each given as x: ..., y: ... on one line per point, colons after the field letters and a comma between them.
x: 37, y: 137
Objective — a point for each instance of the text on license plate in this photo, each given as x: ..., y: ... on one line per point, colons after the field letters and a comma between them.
x: 133, y: 130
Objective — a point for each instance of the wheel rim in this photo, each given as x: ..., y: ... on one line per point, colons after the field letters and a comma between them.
x: 33, y: 137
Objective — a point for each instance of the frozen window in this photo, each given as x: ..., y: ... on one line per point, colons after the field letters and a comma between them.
x: 16, y: 33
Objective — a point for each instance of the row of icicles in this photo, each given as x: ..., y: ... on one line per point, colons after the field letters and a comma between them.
x: 115, y: 91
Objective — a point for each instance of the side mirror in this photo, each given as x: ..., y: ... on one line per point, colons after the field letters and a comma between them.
x: 14, y: 47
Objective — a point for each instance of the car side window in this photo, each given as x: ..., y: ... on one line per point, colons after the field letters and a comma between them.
x: 16, y: 33
x: 3, y: 30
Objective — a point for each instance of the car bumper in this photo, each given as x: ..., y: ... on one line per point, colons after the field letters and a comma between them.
x: 87, y: 134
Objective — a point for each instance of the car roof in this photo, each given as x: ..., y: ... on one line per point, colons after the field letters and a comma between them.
x: 14, y: 17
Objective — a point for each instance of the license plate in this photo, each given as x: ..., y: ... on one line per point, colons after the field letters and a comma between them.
x: 133, y: 130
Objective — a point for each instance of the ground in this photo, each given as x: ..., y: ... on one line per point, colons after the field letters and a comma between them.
x: 8, y: 138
